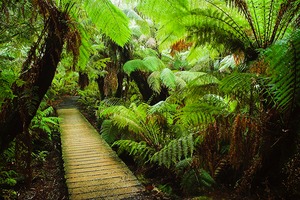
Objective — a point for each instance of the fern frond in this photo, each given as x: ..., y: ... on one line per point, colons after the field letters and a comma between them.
x: 218, y: 20
x: 142, y: 26
x: 168, y: 14
x: 285, y: 72
x: 197, y: 85
x: 109, y: 19
x: 182, y: 165
x: 237, y: 83
x: 174, y: 151
x: 104, y: 111
x: 206, y: 178
x: 163, y: 107
x: 168, y: 78
x: 202, y: 112
x: 153, y: 63
x: 44, y: 121
x: 133, y: 65
x: 172, y: 8
x: 189, y: 76
x: 84, y: 49
x: 154, y: 81
x: 148, y: 64
x: 139, y: 149
x: 129, y: 121
x: 109, y: 132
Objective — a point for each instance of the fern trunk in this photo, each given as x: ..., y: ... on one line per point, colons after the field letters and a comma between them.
x: 140, y: 78
x: 100, y: 83
x: 83, y: 80
x: 37, y: 73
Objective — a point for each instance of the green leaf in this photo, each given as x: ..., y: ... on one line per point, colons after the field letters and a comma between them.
x: 168, y: 78
x: 154, y: 81
x: 133, y: 65
x: 109, y: 19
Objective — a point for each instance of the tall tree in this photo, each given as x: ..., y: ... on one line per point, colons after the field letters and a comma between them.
x: 39, y: 68
x: 37, y: 72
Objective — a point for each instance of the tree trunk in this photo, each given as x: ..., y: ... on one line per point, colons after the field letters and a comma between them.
x: 100, y: 82
x: 119, y: 91
x: 140, y: 78
x: 37, y: 73
x: 83, y: 80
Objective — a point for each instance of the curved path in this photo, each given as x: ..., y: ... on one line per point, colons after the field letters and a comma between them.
x: 92, y: 168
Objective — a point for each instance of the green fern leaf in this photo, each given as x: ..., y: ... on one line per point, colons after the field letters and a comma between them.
x: 184, y: 164
x: 285, y: 77
x: 168, y: 78
x: 154, y: 81
x: 109, y: 19
x: 153, y: 63
x: 148, y: 64
x: 173, y: 151
x: 163, y: 107
x: 108, y: 131
x: 206, y: 179
x: 139, y: 149
x: 133, y: 65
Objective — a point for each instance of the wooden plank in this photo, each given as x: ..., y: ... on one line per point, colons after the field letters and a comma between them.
x: 92, y: 168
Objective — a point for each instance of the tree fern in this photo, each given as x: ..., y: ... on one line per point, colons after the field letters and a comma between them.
x: 135, y: 120
x: 163, y: 107
x: 197, y: 78
x: 194, y: 180
x: 84, y: 49
x: 243, y: 88
x: 161, y: 76
x: 168, y: 14
x: 199, y: 114
x: 215, y: 19
x: 193, y: 85
x: 237, y: 24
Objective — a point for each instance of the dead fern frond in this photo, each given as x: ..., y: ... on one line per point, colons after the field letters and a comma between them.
x: 179, y: 46
x: 245, y: 141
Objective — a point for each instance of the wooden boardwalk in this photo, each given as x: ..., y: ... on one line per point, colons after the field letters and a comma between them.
x: 92, y: 168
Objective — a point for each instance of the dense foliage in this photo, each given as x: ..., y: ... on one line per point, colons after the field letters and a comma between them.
x: 206, y: 91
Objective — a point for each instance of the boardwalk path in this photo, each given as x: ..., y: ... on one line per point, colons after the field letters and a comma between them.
x: 92, y: 169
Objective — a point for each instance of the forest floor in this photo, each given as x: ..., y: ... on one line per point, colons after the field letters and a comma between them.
x: 48, y: 176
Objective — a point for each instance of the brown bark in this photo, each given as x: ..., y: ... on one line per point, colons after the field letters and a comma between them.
x: 119, y: 92
x: 100, y: 82
x: 83, y: 80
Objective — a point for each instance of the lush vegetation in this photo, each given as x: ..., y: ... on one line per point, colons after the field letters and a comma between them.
x: 202, y: 95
